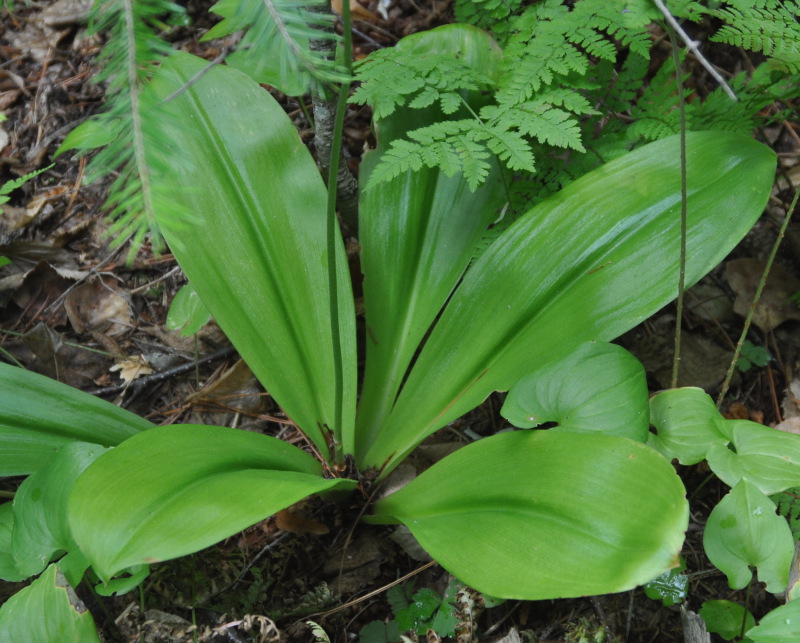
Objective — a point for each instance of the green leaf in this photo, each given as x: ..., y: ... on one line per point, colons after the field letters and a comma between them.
x: 597, y: 387
x: 40, y: 508
x: 187, y: 313
x: 670, y: 588
x: 687, y: 424
x: 39, y: 415
x: 418, y: 614
x: 542, y: 515
x: 89, y: 135
x: 590, y: 262
x: 743, y: 530
x: 767, y: 458
x: 179, y: 489
x: 8, y: 569
x: 418, y: 234
x: 380, y: 632
x: 779, y: 626
x: 275, y: 50
x: 10, y: 186
x: 726, y: 618
x: 752, y: 355
x: 258, y: 256
x: 47, y: 610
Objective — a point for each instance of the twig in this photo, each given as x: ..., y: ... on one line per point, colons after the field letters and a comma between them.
x: 375, y: 592
x: 694, y: 47
x: 726, y: 384
x: 146, y: 380
x: 682, y: 270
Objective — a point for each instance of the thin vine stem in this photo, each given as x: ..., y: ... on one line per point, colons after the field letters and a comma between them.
x: 673, y: 26
x: 749, y: 319
x: 333, y: 231
x: 676, y: 360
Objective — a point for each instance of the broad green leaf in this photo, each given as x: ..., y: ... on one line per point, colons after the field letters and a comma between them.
x: 183, y: 488
x: 598, y: 387
x: 8, y: 569
x: 590, y: 262
x: 258, y: 256
x: 781, y: 625
x: 89, y: 135
x: 275, y: 49
x: 187, y: 313
x: 768, y: 458
x: 536, y: 514
x: 39, y: 415
x: 40, y: 508
x: 46, y: 611
x: 726, y: 618
x: 687, y: 424
x: 418, y: 234
x: 743, y: 531
x: 124, y: 584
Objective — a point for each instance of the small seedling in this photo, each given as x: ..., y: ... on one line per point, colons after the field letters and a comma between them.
x: 670, y: 588
x: 418, y: 612
x: 751, y: 356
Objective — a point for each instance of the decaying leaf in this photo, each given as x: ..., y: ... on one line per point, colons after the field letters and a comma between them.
x: 709, y: 302
x: 791, y: 408
x: 96, y: 306
x: 131, y: 367
x: 774, y: 307
x: 703, y: 362
x: 43, y: 350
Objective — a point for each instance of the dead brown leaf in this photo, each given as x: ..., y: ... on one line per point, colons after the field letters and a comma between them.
x: 774, y: 307
x: 44, y: 351
x: 130, y: 368
x: 96, y: 306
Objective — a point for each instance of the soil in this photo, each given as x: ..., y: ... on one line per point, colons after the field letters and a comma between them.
x: 73, y: 309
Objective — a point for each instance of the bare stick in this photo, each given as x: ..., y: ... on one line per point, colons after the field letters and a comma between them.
x: 757, y: 296
x: 694, y: 47
x: 682, y: 271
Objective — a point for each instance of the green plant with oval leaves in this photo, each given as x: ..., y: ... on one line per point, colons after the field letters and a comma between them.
x: 443, y: 332
x: 744, y: 531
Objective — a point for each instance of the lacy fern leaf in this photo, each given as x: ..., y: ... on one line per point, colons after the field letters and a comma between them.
x: 768, y: 26
x: 418, y: 81
x: 276, y: 48
x: 492, y: 15
x: 136, y: 147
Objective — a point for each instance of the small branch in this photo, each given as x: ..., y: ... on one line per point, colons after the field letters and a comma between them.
x: 142, y: 382
x: 682, y: 271
x: 694, y: 47
x: 756, y: 299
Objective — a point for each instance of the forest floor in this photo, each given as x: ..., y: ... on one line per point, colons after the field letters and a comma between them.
x: 72, y: 309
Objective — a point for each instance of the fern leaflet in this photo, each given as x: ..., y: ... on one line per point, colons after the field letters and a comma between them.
x: 418, y: 81
x: 276, y: 49
x: 135, y: 146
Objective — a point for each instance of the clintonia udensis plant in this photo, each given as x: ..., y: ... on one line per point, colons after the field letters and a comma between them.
x: 584, y: 508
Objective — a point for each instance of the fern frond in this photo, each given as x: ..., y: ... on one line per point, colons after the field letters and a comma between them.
x: 768, y: 26
x: 417, y: 80
x: 10, y: 186
x: 491, y: 15
x: 132, y: 122
x: 276, y: 48
x: 550, y: 42
x: 453, y: 146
